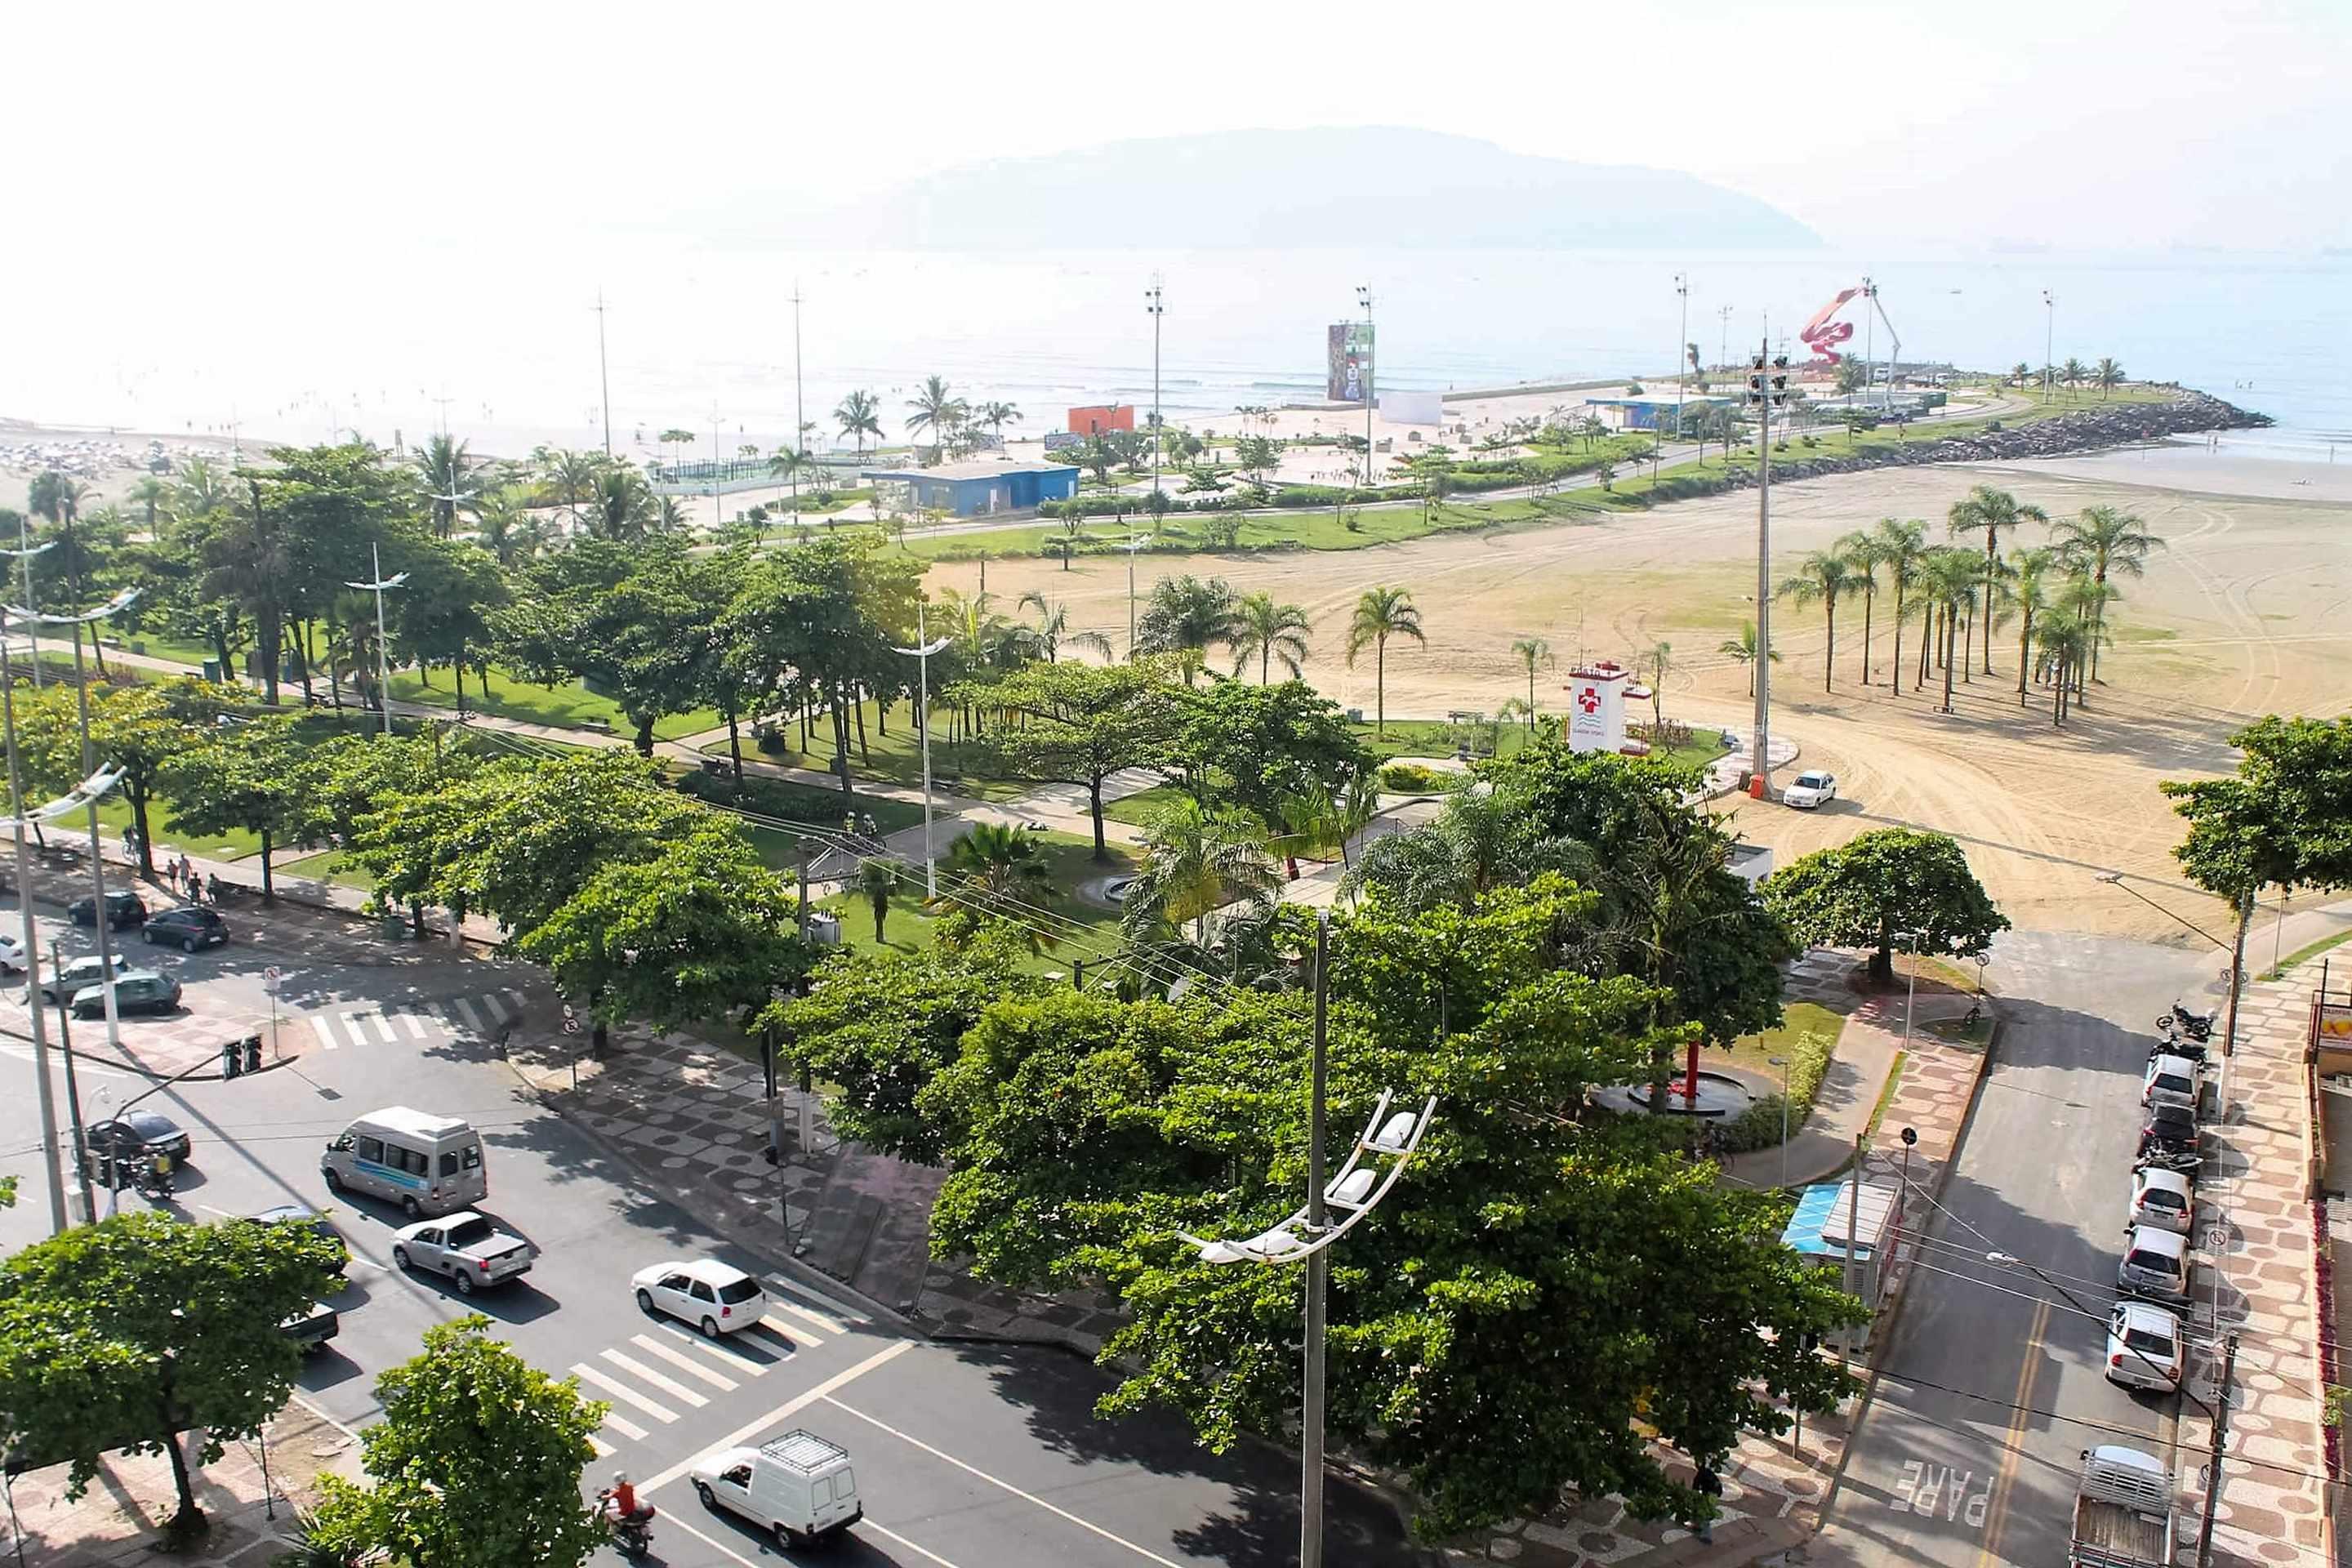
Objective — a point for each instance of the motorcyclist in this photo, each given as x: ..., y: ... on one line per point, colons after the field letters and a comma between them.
x: 159, y: 1173
x: 625, y: 1505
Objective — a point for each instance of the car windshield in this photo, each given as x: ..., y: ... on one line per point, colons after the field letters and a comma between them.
x: 2157, y: 1198
x: 2148, y: 1341
x: 736, y: 1290
x: 148, y: 1125
x: 1810, y: 781
x: 2155, y: 1262
x: 466, y: 1232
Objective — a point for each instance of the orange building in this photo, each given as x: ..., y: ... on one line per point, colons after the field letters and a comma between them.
x: 1102, y: 418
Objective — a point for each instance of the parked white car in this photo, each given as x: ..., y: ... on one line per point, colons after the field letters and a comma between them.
x: 2161, y: 1198
x: 12, y: 955
x: 2144, y: 1347
x: 715, y: 1297
x: 2172, y: 1080
x: 1809, y: 790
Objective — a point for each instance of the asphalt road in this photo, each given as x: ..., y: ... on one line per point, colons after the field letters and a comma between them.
x: 967, y: 1457
x: 1995, y: 1380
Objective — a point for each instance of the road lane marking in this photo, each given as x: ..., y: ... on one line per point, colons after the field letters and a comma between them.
x: 383, y: 1027
x: 413, y: 1024
x: 473, y: 1020
x: 2012, y: 1442
x: 623, y: 1392
x: 626, y: 1428
x: 515, y: 1001
x: 352, y: 1026
x: 785, y: 1411
x: 786, y: 1337
x: 325, y: 1028
x: 727, y: 1552
x: 829, y: 1325
x: 603, y: 1450
x: 894, y: 1535
x: 694, y: 1368
x: 662, y: 1381
x: 717, y: 1350
x: 1143, y: 1551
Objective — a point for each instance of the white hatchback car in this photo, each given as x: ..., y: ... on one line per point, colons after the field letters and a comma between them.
x: 2144, y: 1347
x: 716, y: 1297
x: 1809, y: 790
x: 2163, y: 1199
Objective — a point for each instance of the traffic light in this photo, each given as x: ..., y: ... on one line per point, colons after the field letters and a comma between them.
x: 1756, y: 382
x: 1780, y: 381
x: 232, y: 1058
x: 253, y: 1053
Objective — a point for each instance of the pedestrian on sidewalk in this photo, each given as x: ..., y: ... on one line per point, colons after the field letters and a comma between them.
x: 866, y: 824
x: 213, y: 889
x: 188, y: 874
x: 1708, y: 1485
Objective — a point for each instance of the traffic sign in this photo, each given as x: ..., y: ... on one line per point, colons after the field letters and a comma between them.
x: 274, y: 973
x: 570, y: 1025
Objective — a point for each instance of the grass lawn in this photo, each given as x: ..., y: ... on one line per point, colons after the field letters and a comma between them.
x: 1755, y: 1052
x: 1436, y: 738
x: 907, y: 927
x: 2304, y: 954
x: 1138, y: 810
x: 567, y: 706
x: 115, y: 817
x: 325, y: 867
x: 895, y: 757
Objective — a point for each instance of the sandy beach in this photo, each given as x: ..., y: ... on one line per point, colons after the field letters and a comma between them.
x: 2241, y: 614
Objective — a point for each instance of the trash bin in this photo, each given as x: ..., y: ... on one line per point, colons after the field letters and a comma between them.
x: 213, y: 670
x: 396, y: 928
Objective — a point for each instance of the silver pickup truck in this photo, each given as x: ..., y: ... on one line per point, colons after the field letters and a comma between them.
x: 465, y: 1245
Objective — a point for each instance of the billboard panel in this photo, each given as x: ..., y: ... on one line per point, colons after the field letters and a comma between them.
x: 1412, y: 407
x: 1348, y: 361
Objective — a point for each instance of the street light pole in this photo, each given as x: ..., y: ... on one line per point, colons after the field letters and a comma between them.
x: 1761, y: 787
x: 2049, y: 341
x: 604, y: 373
x: 1371, y: 353
x: 1682, y: 348
x: 1783, y: 1063
x: 922, y: 653
x: 1156, y: 309
x: 1134, y: 543
x: 383, y: 660
x: 1319, y: 1276
x: 45, y: 1092
x: 800, y: 413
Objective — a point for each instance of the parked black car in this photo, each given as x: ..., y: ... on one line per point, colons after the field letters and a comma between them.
x: 2168, y: 1127
x: 189, y: 929
x: 138, y: 1135
x: 122, y: 909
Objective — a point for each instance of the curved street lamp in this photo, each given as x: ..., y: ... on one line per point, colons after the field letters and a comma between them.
x: 922, y: 653
x: 383, y: 668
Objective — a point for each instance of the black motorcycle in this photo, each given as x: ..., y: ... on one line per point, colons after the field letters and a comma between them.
x: 2195, y: 1026
x: 632, y: 1532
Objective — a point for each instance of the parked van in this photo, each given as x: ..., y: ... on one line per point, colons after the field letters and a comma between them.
x: 799, y: 1485
x: 427, y: 1164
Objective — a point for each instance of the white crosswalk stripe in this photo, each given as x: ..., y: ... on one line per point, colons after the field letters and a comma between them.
x: 603, y: 1450
x: 721, y: 1351
x: 383, y: 1027
x: 685, y: 1362
x: 625, y: 1427
x: 784, y: 1336
x: 777, y: 1292
x: 414, y: 1024
x: 666, y: 1383
x: 326, y: 1030
x: 472, y: 1019
x: 623, y: 1392
x: 351, y: 1023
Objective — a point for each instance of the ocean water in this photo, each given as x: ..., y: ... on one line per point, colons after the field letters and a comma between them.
x: 498, y: 338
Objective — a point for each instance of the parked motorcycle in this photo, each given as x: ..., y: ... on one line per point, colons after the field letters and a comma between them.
x: 2185, y: 1161
x: 2195, y: 1026
x: 2178, y: 1045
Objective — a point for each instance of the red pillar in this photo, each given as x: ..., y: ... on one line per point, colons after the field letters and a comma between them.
x: 1690, y: 1077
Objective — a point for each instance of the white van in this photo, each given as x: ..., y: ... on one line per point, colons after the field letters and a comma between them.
x: 800, y: 1486
x: 427, y: 1164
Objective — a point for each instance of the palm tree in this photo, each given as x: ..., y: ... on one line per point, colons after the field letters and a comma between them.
x: 1823, y: 577
x: 1532, y: 652
x: 789, y: 462
x: 1053, y: 628
x: 935, y: 410
x: 2020, y: 373
x: 1662, y: 655
x: 201, y: 488
x: 1271, y: 631
x: 2074, y: 372
x: 2031, y: 573
x: 446, y: 474
x: 2109, y: 375
x: 2104, y: 542
x: 1992, y: 511
x: 986, y: 636
x: 1946, y: 586
x: 1196, y: 860
x: 2065, y: 642
x: 1901, y: 541
x: 152, y: 494
x: 2086, y: 598
x: 996, y: 416
x: 998, y: 870
x: 573, y: 476
x: 624, y: 505
x: 1742, y: 649
x: 1864, y: 553
x: 507, y: 527
x: 860, y: 414
x: 1380, y: 614
x: 1187, y: 616
x: 876, y: 882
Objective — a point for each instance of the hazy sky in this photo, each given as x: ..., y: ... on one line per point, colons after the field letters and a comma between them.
x: 2082, y: 123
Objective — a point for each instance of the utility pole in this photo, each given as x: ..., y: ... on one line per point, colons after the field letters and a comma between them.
x: 1155, y: 309
x: 45, y: 1092
x: 1371, y: 353
x: 799, y: 413
x: 1134, y: 543
x: 1763, y: 390
x: 1845, y: 1269
x: 2049, y: 341
x: 1869, y: 330
x: 2221, y: 1433
x: 603, y: 371
x: 1682, y: 348
x: 1723, y: 352
x: 922, y: 653
x: 716, y: 462
x: 1319, y: 1276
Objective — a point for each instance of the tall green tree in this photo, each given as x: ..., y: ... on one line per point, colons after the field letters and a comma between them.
x: 1534, y: 653
x: 1742, y: 652
x: 1270, y: 631
x: 859, y: 416
x: 2031, y: 575
x: 256, y: 776
x: 1053, y: 628
x: 448, y: 481
x: 126, y: 1334
x: 476, y: 1463
x: 1260, y: 746
x: 1887, y: 887
x: 937, y: 411
x: 1900, y: 542
x: 1188, y: 614
x: 2108, y: 374
x: 448, y: 610
x: 1864, y: 554
x: 646, y: 640
x: 1197, y: 860
x: 996, y: 868
x: 1992, y: 510
x: 139, y: 729
x: 1382, y: 612
x: 1822, y: 578
x: 1084, y: 722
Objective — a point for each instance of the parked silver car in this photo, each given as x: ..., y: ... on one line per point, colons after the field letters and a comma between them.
x: 2161, y: 1198
x: 2145, y: 1349
x: 2154, y: 1265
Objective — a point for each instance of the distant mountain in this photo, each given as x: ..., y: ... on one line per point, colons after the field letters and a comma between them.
x: 1280, y: 189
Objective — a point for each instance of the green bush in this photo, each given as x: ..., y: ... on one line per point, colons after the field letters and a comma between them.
x: 1757, y: 1126
x: 1412, y: 778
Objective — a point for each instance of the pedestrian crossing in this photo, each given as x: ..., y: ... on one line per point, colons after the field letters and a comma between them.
x: 667, y: 1371
x: 388, y: 1024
